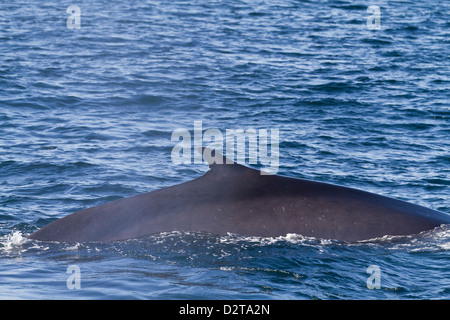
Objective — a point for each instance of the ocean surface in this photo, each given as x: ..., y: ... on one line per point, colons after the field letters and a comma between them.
x: 90, y: 97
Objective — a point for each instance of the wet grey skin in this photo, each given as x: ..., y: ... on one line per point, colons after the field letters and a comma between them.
x: 231, y: 198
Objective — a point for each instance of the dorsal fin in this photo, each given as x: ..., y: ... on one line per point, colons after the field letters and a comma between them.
x: 212, y: 157
x: 218, y: 162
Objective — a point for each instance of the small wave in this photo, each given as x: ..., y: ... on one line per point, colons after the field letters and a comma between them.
x: 437, y: 239
x: 12, y: 241
x: 291, y: 238
x: 72, y: 247
x: 434, y: 240
x: 233, y: 238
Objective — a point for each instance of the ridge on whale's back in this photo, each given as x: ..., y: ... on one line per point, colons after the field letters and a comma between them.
x: 232, y: 198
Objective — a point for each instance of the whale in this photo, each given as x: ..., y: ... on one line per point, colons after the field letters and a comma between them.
x: 232, y: 198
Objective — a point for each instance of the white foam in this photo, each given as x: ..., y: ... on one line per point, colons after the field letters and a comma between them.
x: 74, y: 247
x: 292, y: 238
x: 431, y: 240
x: 13, y: 241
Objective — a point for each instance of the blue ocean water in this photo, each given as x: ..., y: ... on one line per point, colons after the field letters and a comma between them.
x: 87, y: 114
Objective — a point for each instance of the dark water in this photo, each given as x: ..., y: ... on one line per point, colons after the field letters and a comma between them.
x: 86, y: 116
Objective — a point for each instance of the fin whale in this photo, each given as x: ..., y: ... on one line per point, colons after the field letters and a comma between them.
x: 231, y: 198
